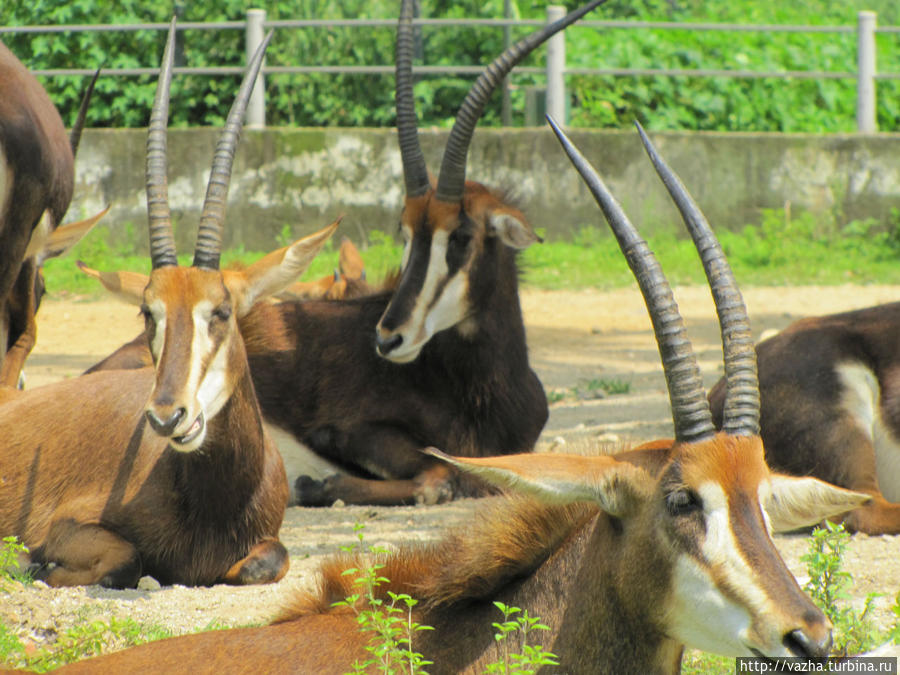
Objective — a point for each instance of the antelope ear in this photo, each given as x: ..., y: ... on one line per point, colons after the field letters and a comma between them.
x: 126, y: 286
x: 618, y: 487
x: 61, y: 239
x: 277, y: 270
x: 308, y: 290
x: 512, y: 230
x: 350, y: 261
x: 795, y: 503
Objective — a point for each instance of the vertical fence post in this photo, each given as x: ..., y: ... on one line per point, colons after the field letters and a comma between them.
x: 556, y: 66
x: 866, y: 122
x: 506, y: 110
x: 256, y: 107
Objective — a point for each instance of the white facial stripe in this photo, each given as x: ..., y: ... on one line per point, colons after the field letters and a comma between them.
x: 157, y: 310
x: 210, y: 386
x: 429, y: 317
x: 407, y: 239
x: 706, y: 617
x: 701, y: 616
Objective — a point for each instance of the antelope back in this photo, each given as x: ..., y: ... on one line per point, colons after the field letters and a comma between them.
x: 460, y: 237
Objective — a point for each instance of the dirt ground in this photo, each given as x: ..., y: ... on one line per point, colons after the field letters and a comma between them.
x: 574, y: 337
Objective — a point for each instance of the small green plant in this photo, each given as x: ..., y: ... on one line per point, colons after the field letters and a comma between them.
x: 612, y: 386
x: 10, y: 569
x: 11, y: 648
x: 89, y: 637
x: 894, y: 633
x: 390, y: 620
x: 556, y: 395
x: 828, y: 587
x: 516, y: 621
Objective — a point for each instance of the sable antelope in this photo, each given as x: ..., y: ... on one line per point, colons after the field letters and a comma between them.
x: 626, y: 559
x: 829, y: 407
x: 442, y: 361
x: 36, y: 184
x: 165, y: 470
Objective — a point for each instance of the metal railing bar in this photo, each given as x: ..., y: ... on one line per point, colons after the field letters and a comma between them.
x: 474, y: 70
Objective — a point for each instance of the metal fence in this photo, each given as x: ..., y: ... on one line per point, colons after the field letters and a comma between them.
x: 556, y: 69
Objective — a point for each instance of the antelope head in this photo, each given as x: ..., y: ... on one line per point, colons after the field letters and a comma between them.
x: 191, y: 312
x: 454, y: 231
x: 693, y: 555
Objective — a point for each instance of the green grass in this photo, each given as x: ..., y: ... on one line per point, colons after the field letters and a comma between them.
x: 780, y: 250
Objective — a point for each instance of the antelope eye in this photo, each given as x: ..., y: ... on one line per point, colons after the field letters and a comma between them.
x: 145, y: 313
x: 460, y: 238
x: 222, y: 312
x: 682, y: 502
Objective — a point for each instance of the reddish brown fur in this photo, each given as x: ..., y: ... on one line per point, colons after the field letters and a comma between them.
x: 805, y: 427
x: 191, y: 518
x: 600, y: 583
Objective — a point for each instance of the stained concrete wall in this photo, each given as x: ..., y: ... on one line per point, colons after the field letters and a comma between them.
x: 304, y: 178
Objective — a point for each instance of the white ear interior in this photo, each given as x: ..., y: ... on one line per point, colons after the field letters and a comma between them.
x: 794, y: 503
x: 511, y: 231
x: 617, y: 487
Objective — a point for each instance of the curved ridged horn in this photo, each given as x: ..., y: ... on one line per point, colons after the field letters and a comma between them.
x: 452, y: 177
x: 415, y: 171
x: 741, y: 415
x: 162, y: 241
x: 78, y: 127
x: 690, y: 410
x: 212, y: 218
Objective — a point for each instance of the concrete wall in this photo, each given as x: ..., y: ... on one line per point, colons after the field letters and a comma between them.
x: 304, y: 178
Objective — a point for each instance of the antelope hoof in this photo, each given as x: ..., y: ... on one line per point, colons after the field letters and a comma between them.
x: 312, y: 492
x: 39, y: 570
x: 430, y: 490
x: 266, y: 563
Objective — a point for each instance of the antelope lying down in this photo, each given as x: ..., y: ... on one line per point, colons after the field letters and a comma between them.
x: 829, y: 394
x: 626, y: 559
x: 37, y: 174
x: 163, y: 471
x: 442, y: 361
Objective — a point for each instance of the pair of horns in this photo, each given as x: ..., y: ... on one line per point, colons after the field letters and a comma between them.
x: 212, y: 218
x: 690, y: 409
x: 452, y: 177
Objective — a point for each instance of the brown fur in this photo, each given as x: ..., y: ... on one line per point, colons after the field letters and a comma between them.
x: 602, y: 584
x: 507, y: 540
x: 805, y: 427
x: 41, y: 170
x: 317, y: 375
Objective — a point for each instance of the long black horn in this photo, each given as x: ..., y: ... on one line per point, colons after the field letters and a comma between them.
x: 452, y: 178
x: 212, y: 218
x: 78, y: 127
x: 690, y: 410
x: 741, y: 415
x: 415, y: 171
x: 162, y: 241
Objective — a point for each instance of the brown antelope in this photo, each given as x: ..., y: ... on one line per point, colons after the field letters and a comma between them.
x: 348, y: 280
x: 627, y: 559
x: 37, y: 164
x: 829, y: 407
x: 367, y: 383
x: 163, y: 471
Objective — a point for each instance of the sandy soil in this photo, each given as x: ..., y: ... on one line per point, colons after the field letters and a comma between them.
x: 574, y: 336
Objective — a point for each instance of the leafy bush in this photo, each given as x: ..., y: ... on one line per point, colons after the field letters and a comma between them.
x: 715, y: 103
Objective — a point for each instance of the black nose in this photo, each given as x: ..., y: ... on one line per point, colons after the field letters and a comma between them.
x: 386, y: 345
x: 800, y: 643
x: 167, y: 426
